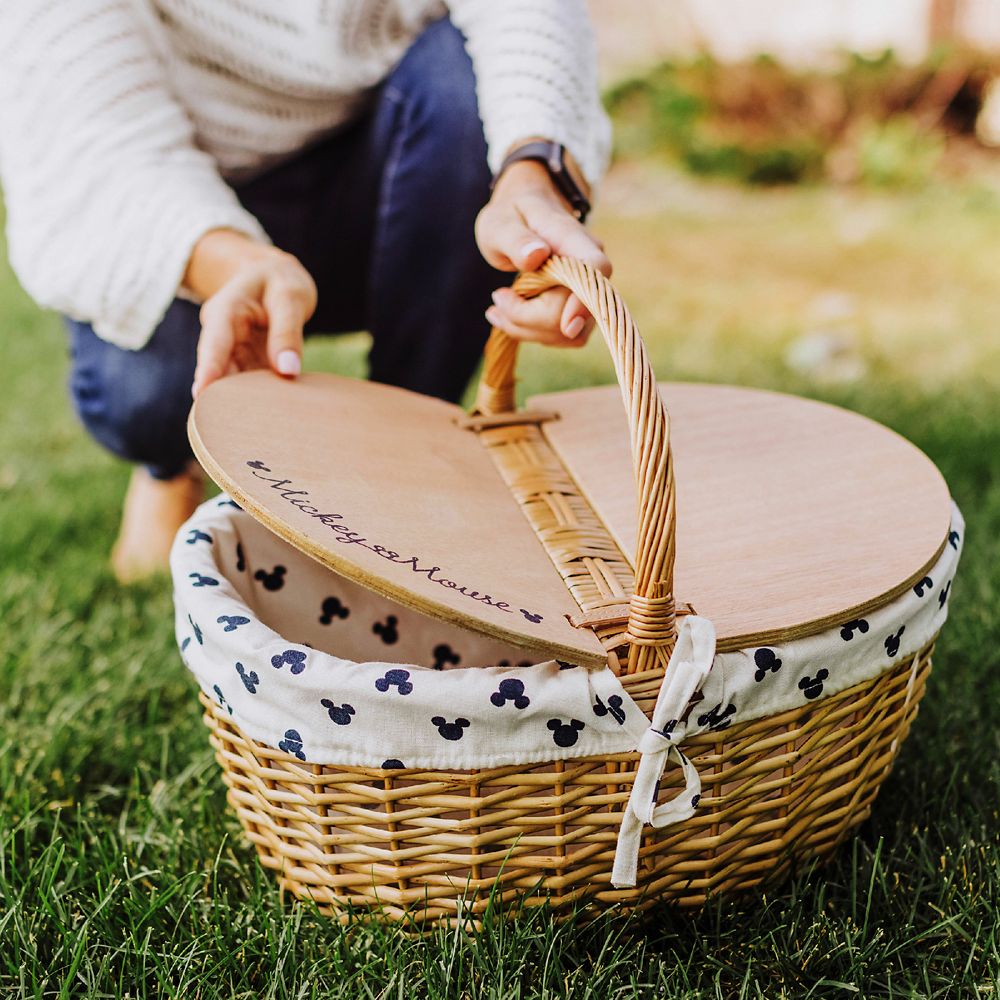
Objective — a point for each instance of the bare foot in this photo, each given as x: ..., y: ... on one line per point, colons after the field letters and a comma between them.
x: 153, y: 511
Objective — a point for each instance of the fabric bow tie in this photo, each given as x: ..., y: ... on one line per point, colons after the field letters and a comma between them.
x: 689, y: 665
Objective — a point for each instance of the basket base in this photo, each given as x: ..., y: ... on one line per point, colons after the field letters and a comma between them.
x: 426, y: 848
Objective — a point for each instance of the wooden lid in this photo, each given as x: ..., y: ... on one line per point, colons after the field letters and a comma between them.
x: 379, y: 485
x: 791, y: 514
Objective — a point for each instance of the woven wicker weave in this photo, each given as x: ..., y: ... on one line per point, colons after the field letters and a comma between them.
x: 428, y: 846
x: 432, y: 846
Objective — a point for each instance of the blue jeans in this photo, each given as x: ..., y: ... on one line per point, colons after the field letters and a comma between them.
x: 381, y: 214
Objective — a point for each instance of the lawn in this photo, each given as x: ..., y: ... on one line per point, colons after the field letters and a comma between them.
x: 123, y: 874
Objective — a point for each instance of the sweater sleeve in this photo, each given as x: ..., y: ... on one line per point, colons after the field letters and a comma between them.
x: 106, y: 192
x: 536, y: 75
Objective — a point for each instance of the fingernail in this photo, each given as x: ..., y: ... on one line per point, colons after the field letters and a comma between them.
x: 493, y: 316
x: 289, y: 363
x: 535, y: 245
x: 497, y: 295
x: 573, y: 327
x: 194, y: 390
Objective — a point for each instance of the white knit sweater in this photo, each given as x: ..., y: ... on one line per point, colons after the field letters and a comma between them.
x: 120, y: 120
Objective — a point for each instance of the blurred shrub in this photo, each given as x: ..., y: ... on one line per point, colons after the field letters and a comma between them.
x: 897, y: 153
x: 761, y: 163
x: 872, y: 120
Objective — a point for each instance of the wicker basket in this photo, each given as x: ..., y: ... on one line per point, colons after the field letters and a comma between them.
x: 423, y: 845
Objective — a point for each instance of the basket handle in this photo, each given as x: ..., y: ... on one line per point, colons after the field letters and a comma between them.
x: 651, y: 626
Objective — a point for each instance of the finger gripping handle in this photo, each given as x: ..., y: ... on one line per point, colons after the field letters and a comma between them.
x: 651, y: 619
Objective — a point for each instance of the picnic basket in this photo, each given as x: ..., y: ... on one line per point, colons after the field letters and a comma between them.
x: 399, y: 742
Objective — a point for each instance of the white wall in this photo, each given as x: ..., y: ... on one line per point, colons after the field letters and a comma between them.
x: 808, y: 32
x: 636, y: 33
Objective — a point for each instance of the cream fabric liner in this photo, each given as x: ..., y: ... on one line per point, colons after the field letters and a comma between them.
x: 517, y: 710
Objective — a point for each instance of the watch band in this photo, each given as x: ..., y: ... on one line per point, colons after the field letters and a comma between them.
x: 553, y: 156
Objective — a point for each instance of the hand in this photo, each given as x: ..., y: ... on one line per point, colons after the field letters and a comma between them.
x: 525, y: 222
x: 256, y: 301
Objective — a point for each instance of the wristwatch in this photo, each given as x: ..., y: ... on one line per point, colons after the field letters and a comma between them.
x: 553, y: 156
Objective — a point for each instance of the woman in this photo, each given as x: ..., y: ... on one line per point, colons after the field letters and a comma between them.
x: 195, y: 184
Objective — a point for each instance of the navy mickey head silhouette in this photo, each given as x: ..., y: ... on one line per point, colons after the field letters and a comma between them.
x: 565, y: 734
x: 341, y: 714
x: 953, y: 538
x: 387, y: 630
x: 943, y: 596
x: 443, y: 653
x: 520, y: 663
x: 892, y: 641
x: 197, y: 631
x: 292, y: 743
x: 393, y: 764
x: 185, y: 643
x: 613, y: 708
x: 812, y: 687
x: 767, y: 662
x: 332, y: 608
x: 222, y: 699
x: 450, y: 730
x: 274, y: 580
x: 668, y: 729
x: 717, y: 718
x: 241, y: 562
x: 200, y: 580
x: 510, y: 689
x: 400, y: 679
x: 922, y: 586
x: 295, y: 659
x: 232, y: 622
x: 195, y: 535
x: 228, y: 502
x: 250, y: 680
x: 848, y: 629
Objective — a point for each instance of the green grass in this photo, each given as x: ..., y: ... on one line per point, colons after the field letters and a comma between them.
x: 123, y: 874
